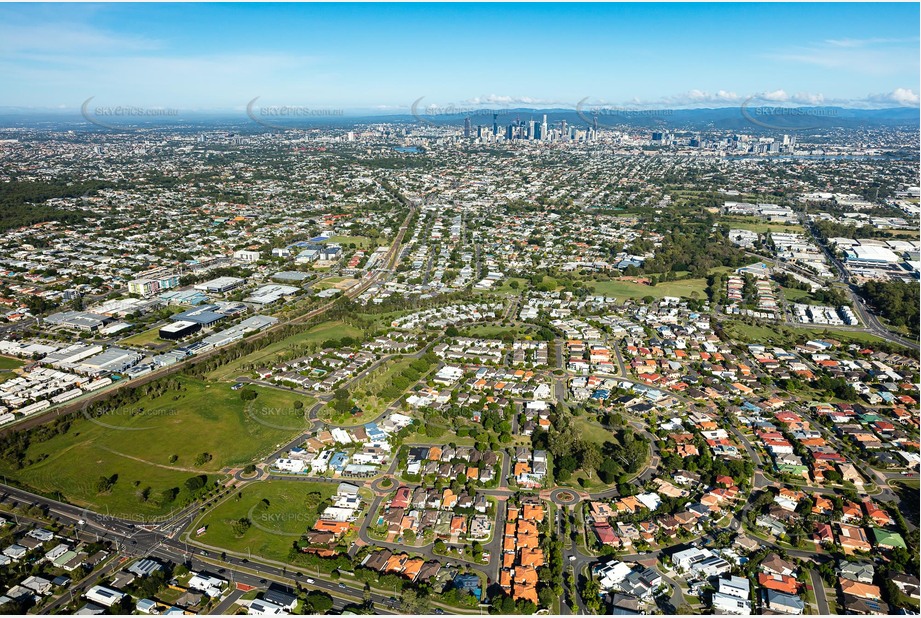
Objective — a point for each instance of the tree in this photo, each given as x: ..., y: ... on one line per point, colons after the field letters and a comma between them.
x: 319, y: 601
x: 411, y: 602
x: 591, y: 458
x: 195, y: 483
x: 241, y: 526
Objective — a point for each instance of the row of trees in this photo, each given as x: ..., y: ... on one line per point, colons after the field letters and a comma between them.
x: 896, y: 301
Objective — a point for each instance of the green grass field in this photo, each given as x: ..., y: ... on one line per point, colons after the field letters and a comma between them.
x: 506, y: 287
x: 7, y: 364
x: 361, y: 242
x: 331, y: 282
x: 760, y: 226
x: 796, y: 296
x: 138, y: 443
x: 290, y: 513
x: 489, y: 331
x: 270, y: 353
x: 628, y: 289
x: 366, y: 393
x: 592, y: 431
x: 785, y: 335
x: 145, y: 338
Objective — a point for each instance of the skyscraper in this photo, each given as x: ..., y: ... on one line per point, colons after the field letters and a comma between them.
x: 543, y: 129
x: 495, y: 124
x: 467, y: 127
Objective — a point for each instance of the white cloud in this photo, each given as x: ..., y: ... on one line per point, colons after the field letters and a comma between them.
x: 900, y: 96
x: 847, y: 42
x: 776, y: 96
x: 50, y: 39
x: 872, y: 56
x: 495, y: 99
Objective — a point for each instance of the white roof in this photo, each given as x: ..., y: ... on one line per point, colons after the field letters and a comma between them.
x: 882, y: 254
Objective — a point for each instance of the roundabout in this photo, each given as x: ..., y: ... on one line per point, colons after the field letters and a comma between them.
x: 564, y: 497
x: 383, y: 485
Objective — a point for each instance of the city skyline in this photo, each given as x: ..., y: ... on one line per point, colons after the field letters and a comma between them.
x: 381, y: 59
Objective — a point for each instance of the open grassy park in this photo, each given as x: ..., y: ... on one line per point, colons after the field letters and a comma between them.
x: 291, y: 509
x: 272, y: 353
x: 685, y: 288
x: 788, y: 335
x: 494, y: 331
x: 760, y: 226
x: 360, y: 242
x: 794, y: 295
x: 368, y: 393
x: 145, y: 338
x: 157, y: 444
x: 7, y: 365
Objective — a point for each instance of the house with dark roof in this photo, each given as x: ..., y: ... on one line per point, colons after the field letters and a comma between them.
x: 782, y: 602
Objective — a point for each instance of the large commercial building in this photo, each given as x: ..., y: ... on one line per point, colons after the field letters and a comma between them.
x: 78, y: 320
x: 150, y: 286
x: 220, y: 285
x: 206, y: 315
x: 113, y: 360
x: 872, y: 255
x: 179, y: 330
x: 269, y: 294
x: 245, y: 255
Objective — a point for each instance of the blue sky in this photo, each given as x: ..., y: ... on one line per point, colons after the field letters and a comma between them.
x: 383, y: 57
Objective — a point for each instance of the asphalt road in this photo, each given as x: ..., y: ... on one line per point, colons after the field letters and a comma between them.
x: 818, y: 588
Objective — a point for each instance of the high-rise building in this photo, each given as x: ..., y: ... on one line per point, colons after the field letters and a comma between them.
x: 495, y: 124
x: 543, y: 129
x: 467, y: 127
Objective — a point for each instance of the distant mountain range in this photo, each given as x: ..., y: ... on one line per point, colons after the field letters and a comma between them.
x: 741, y: 119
